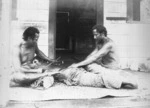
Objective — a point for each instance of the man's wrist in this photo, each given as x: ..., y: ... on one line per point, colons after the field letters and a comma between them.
x: 78, y: 65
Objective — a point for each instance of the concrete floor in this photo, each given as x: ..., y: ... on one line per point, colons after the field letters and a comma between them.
x: 107, y: 102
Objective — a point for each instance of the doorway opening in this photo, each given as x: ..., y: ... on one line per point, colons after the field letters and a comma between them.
x: 74, y: 22
x: 62, y: 35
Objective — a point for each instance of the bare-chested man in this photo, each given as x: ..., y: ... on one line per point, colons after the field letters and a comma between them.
x: 25, y: 71
x: 105, y: 53
x: 101, y: 67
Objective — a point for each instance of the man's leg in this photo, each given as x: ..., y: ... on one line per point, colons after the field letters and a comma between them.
x: 114, y: 77
x: 80, y: 77
x: 129, y: 80
x: 18, y: 78
x: 119, y: 79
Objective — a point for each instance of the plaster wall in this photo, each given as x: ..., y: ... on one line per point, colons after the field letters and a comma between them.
x: 131, y: 38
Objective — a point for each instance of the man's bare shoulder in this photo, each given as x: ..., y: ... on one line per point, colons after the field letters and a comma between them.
x: 111, y: 45
x: 110, y: 42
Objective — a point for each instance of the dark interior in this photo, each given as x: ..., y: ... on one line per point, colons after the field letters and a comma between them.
x: 74, y: 22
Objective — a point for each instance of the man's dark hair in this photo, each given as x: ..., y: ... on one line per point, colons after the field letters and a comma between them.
x: 100, y: 29
x: 30, y: 32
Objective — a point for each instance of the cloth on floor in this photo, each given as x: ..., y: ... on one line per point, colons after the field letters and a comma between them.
x: 79, y: 76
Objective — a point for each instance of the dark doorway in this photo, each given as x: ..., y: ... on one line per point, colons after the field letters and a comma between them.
x: 62, y: 36
x: 74, y: 22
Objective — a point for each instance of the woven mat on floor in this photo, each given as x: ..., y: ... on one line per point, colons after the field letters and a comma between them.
x: 61, y: 91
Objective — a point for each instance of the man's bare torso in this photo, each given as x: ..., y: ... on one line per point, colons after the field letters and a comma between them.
x: 109, y: 60
x: 27, y: 52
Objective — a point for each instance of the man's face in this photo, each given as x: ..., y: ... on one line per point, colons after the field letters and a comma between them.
x: 30, y: 40
x: 97, y: 35
x: 36, y: 37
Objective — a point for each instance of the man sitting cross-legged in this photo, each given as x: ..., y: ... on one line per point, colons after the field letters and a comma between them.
x: 26, y: 70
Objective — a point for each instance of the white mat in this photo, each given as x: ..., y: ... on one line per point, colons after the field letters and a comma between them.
x: 61, y: 91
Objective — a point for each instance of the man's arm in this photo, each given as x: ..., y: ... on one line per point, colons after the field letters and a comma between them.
x: 103, y: 51
x: 42, y: 55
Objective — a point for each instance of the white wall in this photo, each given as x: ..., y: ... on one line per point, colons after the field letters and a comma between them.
x: 132, y: 39
x: 32, y: 13
x: 5, y: 66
